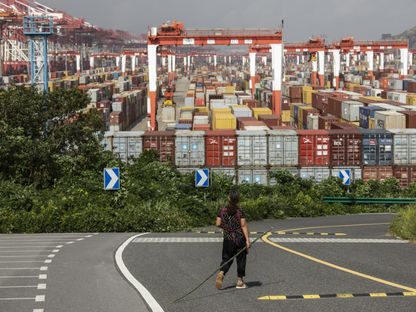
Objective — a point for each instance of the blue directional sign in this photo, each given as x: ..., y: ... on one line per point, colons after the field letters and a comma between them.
x: 202, y: 178
x: 345, y: 176
x: 111, y: 179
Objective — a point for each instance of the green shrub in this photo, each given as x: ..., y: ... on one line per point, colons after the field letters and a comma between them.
x: 404, y: 225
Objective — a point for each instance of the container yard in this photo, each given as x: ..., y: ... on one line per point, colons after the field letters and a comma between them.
x: 311, y: 107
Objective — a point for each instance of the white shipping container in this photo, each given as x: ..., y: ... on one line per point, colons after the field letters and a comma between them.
x: 228, y: 172
x: 313, y: 122
x: 168, y: 114
x: 389, y: 120
x: 126, y: 145
x: 252, y: 148
x: 351, y: 110
x: 376, y: 92
x: 189, y: 101
x: 356, y: 172
x: 319, y: 174
x: 397, y: 96
x: 253, y: 176
x: 404, y: 146
x: 190, y: 148
x: 283, y: 148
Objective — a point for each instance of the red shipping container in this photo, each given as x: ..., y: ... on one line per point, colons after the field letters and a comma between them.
x: 163, y: 142
x: 345, y: 147
x: 405, y: 174
x: 116, y: 118
x: 241, y: 119
x: 251, y: 103
x: 380, y: 173
x: 314, y: 148
x: 410, y: 118
x: 324, y: 122
x: 270, y: 120
x: 295, y: 93
x: 221, y: 148
x: 285, y: 103
x: 411, y: 87
x: 335, y: 106
x: 199, y: 102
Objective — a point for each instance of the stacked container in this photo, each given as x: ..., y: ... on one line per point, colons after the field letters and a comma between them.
x: 190, y: 149
x: 221, y: 149
x: 283, y: 148
x: 345, y: 148
x: 314, y: 148
x: 162, y: 142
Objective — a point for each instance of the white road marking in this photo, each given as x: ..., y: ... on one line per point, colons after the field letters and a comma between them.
x: 59, y: 246
x: 147, y: 296
x: 43, y: 276
x: 11, y: 287
x: 28, y: 261
x: 80, y: 239
x: 26, y: 276
x: 51, y: 256
x: 44, y: 268
x: 30, y: 256
x: 16, y: 299
x: 88, y: 236
x: 70, y: 243
x: 34, y: 250
x: 41, y: 286
x: 48, y: 261
x: 20, y: 268
x: 38, y: 310
x: 40, y: 298
x: 276, y: 240
x: 55, y: 250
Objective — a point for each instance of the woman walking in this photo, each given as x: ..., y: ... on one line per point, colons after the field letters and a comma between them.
x: 233, y: 222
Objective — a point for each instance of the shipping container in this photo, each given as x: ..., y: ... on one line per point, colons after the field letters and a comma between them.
x: 410, y: 116
x: 162, y: 142
x: 389, y: 120
x: 228, y: 172
x: 190, y: 148
x: 283, y: 148
x: 319, y: 174
x: 253, y: 176
x: 314, y: 148
x: 126, y: 145
x: 351, y: 110
x: 345, y: 147
x: 404, y: 146
x: 292, y: 170
x: 379, y: 173
x: 252, y: 148
x: 405, y: 174
x: 221, y: 149
x: 367, y: 112
x: 377, y: 147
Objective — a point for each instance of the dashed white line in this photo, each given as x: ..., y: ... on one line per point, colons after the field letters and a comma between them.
x: 55, y: 250
x: 41, y: 286
x: 147, y: 296
x: 40, y: 298
x: 59, y: 246
x: 43, y: 276
x: 48, y: 261
x: 88, y: 236
x: 80, y: 239
x: 44, y: 268
x: 38, y: 310
x: 70, y: 243
x: 51, y: 256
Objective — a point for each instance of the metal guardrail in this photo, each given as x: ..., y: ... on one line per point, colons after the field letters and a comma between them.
x: 383, y: 201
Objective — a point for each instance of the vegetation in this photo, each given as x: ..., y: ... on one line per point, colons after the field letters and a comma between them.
x: 51, y: 164
x: 404, y: 224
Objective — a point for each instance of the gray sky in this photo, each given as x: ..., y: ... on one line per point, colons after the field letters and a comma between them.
x: 364, y: 19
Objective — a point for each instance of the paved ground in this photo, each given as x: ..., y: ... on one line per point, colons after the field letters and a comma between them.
x: 305, y: 263
x: 63, y: 273
x: 328, y: 256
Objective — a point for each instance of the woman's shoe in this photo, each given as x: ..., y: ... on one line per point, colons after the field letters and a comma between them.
x: 240, y: 284
x: 220, y: 278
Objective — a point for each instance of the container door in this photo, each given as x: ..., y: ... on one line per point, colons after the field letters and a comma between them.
x: 182, y: 151
x: 412, y: 149
x: 291, y: 150
x: 259, y: 150
x: 244, y: 151
x: 276, y: 150
x: 197, y: 151
x: 135, y: 147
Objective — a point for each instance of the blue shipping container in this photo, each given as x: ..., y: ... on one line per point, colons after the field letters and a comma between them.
x: 367, y: 112
x: 377, y: 147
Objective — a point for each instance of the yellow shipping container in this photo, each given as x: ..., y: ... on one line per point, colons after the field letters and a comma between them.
x: 373, y: 98
x: 202, y: 109
x: 261, y: 111
x: 229, y: 89
x: 307, y: 92
x: 328, y: 84
x: 221, y: 110
x: 372, y: 123
x: 187, y: 108
x: 301, y: 111
x: 224, y: 121
x: 411, y: 99
x: 285, y: 115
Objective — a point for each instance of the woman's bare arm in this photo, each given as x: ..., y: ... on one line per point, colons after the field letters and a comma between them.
x: 244, y: 227
x: 218, y: 222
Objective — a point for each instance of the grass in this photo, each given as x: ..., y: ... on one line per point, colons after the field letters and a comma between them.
x: 404, y: 225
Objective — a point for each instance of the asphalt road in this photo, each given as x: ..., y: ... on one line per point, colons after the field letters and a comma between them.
x: 63, y: 273
x: 105, y: 272
x: 354, y: 256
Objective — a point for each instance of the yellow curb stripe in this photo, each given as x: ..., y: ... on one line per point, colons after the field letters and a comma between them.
x: 378, y: 295
x: 345, y: 296
x: 337, y: 267
x: 311, y: 297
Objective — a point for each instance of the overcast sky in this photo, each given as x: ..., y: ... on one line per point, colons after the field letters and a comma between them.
x: 363, y: 19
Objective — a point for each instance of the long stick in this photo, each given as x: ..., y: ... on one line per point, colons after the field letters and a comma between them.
x: 219, y: 269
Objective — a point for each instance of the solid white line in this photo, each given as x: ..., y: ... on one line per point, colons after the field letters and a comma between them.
x: 15, y: 299
x: 29, y: 261
x: 19, y: 268
x: 10, y: 287
x: 30, y: 276
x: 25, y: 247
x: 40, y: 250
x: 147, y: 296
x: 31, y: 256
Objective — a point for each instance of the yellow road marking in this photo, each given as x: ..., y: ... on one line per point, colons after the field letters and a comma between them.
x: 324, y: 234
x: 378, y: 295
x: 409, y: 294
x: 265, y: 238
x: 336, y: 226
x: 310, y: 233
x: 311, y: 296
x: 345, y: 296
x: 295, y: 233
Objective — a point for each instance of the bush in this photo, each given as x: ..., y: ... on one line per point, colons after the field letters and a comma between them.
x: 404, y: 225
